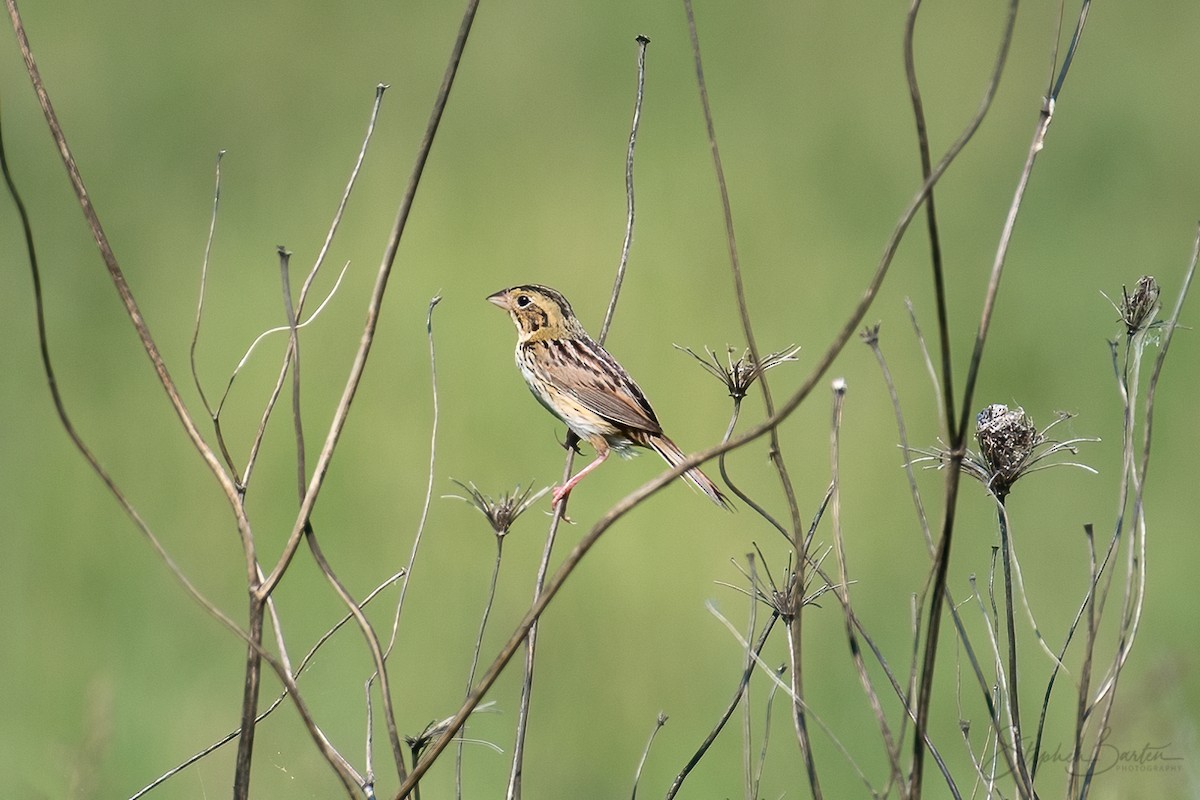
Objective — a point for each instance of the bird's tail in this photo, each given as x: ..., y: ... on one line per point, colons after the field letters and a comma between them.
x: 673, y: 456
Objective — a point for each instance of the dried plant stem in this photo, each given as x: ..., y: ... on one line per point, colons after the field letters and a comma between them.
x: 737, y: 490
x: 795, y: 623
x: 126, y: 295
x: 374, y: 306
x: 958, y: 430
x: 992, y: 618
x: 229, y: 737
x: 518, y: 760
x: 747, y: 714
x: 796, y: 691
x: 738, y: 694
x: 842, y: 590
x: 433, y: 436
x: 946, y: 399
x: 241, y: 775
x: 1086, y: 608
x: 346, y: 774
x: 487, y: 610
x: 642, y: 41
x: 929, y: 368
x: 1136, y: 468
x: 637, y: 776
x: 1025, y: 782
x: 334, y: 224
x: 311, y: 536
x: 1085, y: 670
x: 513, y: 791
x: 756, y: 783
x: 212, y: 229
x: 872, y: 340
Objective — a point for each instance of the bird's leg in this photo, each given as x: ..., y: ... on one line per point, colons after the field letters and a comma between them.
x: 560, y: 493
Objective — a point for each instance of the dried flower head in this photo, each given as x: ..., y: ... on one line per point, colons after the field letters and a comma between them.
x: 1139, y: 308
x: 779, y: 597
x: 502, y: 511
x: 435, y: 729
x: 1010, y: 446
x: 870, y: 334
x: 1006, y: 440
x: 739, y: 374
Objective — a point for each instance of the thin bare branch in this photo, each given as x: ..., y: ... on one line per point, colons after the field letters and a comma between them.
x: 659, y: 722
x: 642, y: 41
x: 513, y: 791
x: 212, y: 229
x: 229, y: 737
x: 126, y: 295
x: 738, y: 694
x: 795, y: 623
x: 871, y: 337
x: 842, y: 589
x: 374, y: 305
x: 775, y: 679
x: 334, y: 224
x: 946, y: 397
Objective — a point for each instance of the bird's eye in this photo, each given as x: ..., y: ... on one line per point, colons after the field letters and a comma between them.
x: 523, y: 300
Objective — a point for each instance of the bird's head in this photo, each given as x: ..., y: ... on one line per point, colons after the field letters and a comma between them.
x: 539, y: 312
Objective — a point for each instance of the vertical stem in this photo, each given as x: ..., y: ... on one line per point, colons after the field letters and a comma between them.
x: 738, y: 695
x: 795, y: 651
x: 775, y: 453
x: 241, y: 772
x: 1024, y: 784
x: 487, y: 610
x: 514, y: 778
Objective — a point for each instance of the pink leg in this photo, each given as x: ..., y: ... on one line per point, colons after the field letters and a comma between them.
x: 561, y: 492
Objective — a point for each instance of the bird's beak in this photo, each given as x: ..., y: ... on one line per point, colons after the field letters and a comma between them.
x: 498, y: 299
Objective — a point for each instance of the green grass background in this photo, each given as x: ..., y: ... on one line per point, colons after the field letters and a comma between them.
x: 111, y: 674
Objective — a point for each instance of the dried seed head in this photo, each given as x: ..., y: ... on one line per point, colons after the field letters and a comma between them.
x: 870, y: 334
x: 1139, y: 309
x: 1006, y: 440
x: 502, y: 511
x: 782, y: 599
x: 739, y: 375
x: 1009, y: 447
x: 437, y: 728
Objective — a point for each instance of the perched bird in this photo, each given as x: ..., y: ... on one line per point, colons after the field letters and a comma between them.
x: 580, y: 383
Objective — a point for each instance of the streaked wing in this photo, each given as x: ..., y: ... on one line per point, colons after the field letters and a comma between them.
x: 585, y: 370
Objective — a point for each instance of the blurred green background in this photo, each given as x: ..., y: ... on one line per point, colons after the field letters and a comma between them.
x: 111, y: 674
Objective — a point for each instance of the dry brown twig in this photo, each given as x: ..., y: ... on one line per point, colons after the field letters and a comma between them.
x: 513, y: 791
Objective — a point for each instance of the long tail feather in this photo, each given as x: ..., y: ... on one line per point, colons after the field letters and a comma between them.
x: 673, y: 456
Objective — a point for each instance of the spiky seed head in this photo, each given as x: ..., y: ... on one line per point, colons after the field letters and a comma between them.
x: 1139, y: 308
x: 1006, y: 441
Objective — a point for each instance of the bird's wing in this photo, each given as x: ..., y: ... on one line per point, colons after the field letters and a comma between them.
x: 587, y: 372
